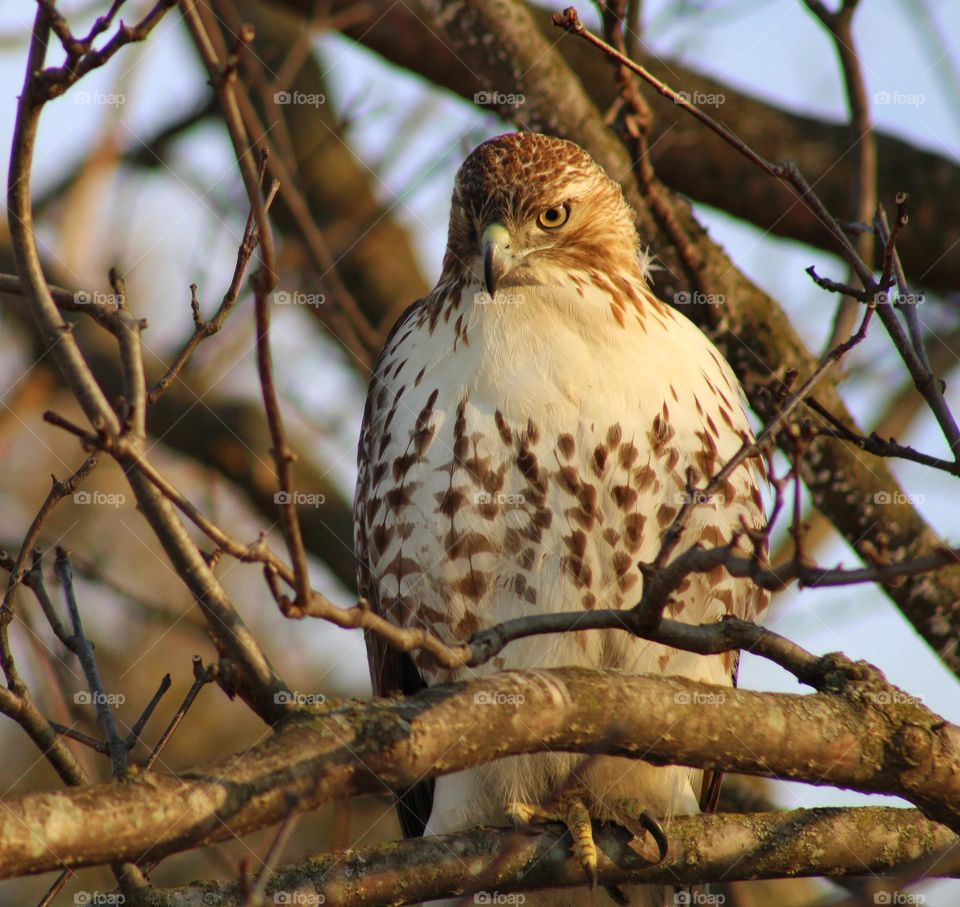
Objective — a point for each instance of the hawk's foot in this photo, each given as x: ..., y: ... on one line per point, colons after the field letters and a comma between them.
x: 572, y: 812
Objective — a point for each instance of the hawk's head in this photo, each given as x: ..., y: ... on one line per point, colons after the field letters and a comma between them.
x: 526, y: 204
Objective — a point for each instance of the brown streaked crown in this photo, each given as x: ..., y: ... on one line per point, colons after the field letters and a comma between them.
x: 514, y: 176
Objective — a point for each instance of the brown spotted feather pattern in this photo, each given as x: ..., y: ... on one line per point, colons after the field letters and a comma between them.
x: 523, y: 453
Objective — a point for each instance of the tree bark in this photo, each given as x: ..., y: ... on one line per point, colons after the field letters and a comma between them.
x: 349, y: 749
x: 727, y: 848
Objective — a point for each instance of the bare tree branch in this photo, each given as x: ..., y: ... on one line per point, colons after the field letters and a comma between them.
x: 229, y: 631
x: 871, y: 738
x: 716, y: 848
x: 863, y: 186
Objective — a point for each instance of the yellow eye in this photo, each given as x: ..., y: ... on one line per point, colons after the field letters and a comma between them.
x: 554, y: 216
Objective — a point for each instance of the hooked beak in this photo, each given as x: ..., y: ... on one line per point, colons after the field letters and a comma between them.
x: 497, y: 260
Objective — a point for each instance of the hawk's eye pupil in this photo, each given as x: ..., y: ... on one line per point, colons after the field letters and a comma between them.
x: 553, y: 217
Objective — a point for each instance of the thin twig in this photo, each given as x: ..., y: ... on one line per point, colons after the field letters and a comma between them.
x: 81, y: 58
x: 929, y: 386
x: 269, y: 864
x: 98, y: 746
x: 83, y: 649
x: 656, y: 590
x: 345, y: 320
x: 790, y: 174
x: 881, y: 447
x: 134, y: 735
x: 131, y: 454
x: 55, y: 888
x: 910, y: 313
x: 786, y: 171
x: 204, y: 329
x: 863, y: 185
x: 202, y: 676
x: 58, y: 491
x: 264, y: 281
x: 282, y: 454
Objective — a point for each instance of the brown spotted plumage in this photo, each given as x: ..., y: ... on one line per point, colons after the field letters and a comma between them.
x: 529, y: 433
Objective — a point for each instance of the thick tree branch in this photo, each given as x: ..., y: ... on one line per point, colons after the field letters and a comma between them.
x: 715, y: 848
x: 868, y: 739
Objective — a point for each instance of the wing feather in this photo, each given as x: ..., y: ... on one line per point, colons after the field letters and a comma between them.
x: 392, y: 672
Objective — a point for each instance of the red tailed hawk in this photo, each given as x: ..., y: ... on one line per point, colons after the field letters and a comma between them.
x: 528, y: 436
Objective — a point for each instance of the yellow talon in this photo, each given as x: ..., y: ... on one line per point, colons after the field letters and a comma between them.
x: 523, y: 813
x: 573, y: 813
x: 577, y: 819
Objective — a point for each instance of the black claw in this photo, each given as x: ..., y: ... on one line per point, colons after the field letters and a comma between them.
x: 591, y: 873
x: 652, y: 825
x: 617, y: 896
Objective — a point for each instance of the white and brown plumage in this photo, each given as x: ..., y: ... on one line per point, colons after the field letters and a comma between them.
x: 529, y: 432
